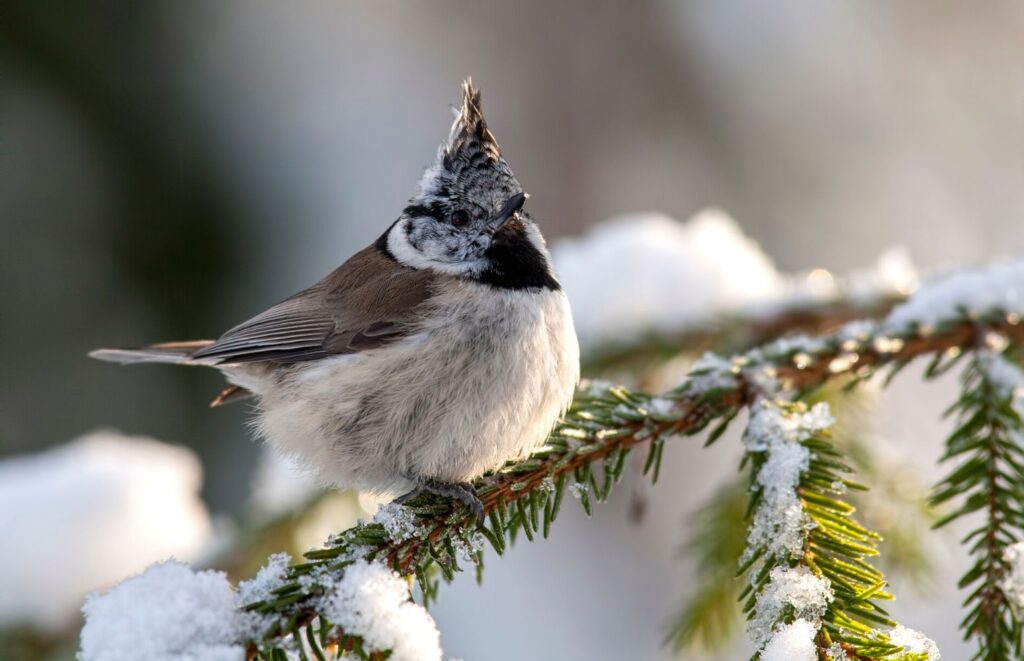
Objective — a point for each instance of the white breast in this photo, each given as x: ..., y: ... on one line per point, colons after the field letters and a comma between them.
x: 483, y: 381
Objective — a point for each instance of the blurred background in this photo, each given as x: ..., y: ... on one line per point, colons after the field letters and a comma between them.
x: 171, y: 168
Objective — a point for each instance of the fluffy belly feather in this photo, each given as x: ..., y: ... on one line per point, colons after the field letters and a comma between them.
x: 482, y: 381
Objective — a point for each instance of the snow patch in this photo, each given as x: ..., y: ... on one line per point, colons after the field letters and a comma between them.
x: 260, y: 588
x: 1012, y: 583
x: 914, y: 642
x: 372, y: 601
x: 167, y: 613
x: 711, y: 372
x: 795, y: 587
x: 975, y: 291
x: 780, y: 524
x: 648, y: 273
x: 792, y: 642
x: 124, y: 501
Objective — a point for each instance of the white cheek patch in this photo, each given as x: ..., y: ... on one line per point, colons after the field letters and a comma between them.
x: 408, y: 254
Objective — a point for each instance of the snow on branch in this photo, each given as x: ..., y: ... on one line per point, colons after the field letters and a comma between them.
x: 812, y: 591
x: 689, y: 282
x: 812, y: 594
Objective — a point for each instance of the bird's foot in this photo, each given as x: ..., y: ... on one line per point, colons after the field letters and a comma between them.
x: 462, y: 492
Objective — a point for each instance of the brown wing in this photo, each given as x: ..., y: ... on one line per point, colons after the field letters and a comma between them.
x: 368, y: 301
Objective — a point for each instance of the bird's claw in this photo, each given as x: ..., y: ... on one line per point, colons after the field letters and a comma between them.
x: 462, y: 492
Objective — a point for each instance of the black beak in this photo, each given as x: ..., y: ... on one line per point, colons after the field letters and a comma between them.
x: 508, y: 212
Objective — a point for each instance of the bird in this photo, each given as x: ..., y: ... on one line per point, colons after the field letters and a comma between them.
x: 438, y: 353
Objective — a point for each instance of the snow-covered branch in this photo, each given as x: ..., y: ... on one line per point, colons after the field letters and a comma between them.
x: 800, y: 594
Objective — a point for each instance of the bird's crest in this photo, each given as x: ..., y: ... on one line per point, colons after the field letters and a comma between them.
x: 469, y: 131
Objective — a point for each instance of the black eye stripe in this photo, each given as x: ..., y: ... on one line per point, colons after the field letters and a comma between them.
x: 432, y: 209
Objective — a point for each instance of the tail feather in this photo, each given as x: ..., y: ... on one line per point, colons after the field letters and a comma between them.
x: 178, y: 353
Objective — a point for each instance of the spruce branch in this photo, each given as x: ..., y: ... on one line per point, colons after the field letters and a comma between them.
x: 806, y: 557
x: 716, y: 536
x: 987, y: 479
x: 588, y: 448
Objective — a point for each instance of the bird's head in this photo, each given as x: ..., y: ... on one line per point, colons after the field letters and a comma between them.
x: 467, y: 217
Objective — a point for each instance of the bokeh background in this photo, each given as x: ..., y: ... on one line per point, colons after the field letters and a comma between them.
x: 170, y: 168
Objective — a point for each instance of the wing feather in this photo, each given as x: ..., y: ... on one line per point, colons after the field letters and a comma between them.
x: 367, y: 302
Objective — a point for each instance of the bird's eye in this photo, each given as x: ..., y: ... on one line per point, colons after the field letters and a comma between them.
x: 459, y: 218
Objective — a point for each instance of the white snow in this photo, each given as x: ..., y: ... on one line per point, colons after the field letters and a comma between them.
x: 711, y: 372
x: 915, y: 642
x: 83, y: 515
x: 372, y: 601
x: 1012, y: 583
x: 267, y: 579
x: 785, y: 346
x: 770, y: 426
x: 252, y: 626
x: 792, y: 642
x: 661, y: 406
x: 780, y: 524
x: 649, y: 273
x: 171, y: 613
x: 167, y: 613
x: 978, y: 291
x: 798, y: 587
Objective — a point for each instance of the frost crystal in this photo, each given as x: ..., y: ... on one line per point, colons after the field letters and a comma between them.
x: 578, y: 489
x: 399, y: 522
x: 547, y: 484
x: 796, y: 587
x: 468, y: 551
x: 168, y: 613
x: 914, y: 642
x: 792, y: 642
x: 1012, y: 584
x: 837, y: 653
x: 373, y: 602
